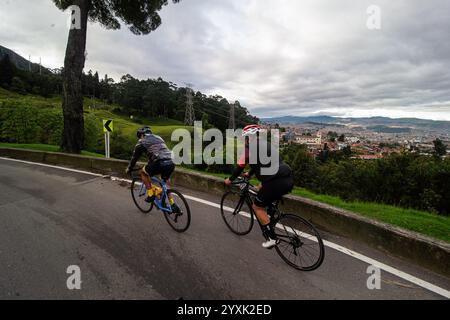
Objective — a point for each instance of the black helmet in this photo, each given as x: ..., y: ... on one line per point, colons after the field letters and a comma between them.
x: 143, y: 131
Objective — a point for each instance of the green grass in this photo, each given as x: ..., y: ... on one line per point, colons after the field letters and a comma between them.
x: 45, y: 147
x: 50, y: 102
x: 214, y: 174
x: 128, y: 127
x: 422, y: 222
x: 8, y: 97
x: 99, y: 110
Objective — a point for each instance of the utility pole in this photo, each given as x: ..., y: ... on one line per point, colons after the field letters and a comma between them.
x: 29, y: 63
x: 40, y: 66
x: 232, y: 121
x: 189, y: 117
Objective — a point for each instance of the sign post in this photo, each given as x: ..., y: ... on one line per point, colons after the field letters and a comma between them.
x: 108, y: 126
x: 107, y: 153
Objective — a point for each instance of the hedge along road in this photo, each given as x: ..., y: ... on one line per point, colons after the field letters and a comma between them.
x: 52, y: 218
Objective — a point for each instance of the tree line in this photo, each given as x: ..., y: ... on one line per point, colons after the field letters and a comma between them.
x: 404, y: 179
x: 44, y: 84
x: 133, y: 97
x: 159, y: 98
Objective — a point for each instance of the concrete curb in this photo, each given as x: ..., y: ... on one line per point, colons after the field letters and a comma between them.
x: 426, y: 252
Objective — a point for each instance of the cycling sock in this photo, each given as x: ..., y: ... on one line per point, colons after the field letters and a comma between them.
x: 157, y: 191
x: 151, y: 191
x: 268, y: 231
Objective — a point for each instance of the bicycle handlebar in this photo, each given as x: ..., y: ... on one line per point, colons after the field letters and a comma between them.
x: 242, y: 180
x: 244, y: 183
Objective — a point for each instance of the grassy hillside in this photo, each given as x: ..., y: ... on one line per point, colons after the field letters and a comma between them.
x: 9, y: 97
x: 101, y: 111
x: 128, y: 127
x: 29, y: 119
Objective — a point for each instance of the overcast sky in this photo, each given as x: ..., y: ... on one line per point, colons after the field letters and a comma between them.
x: 277, y: 57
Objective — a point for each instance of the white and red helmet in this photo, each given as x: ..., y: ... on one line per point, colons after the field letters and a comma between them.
x: 251, y: 129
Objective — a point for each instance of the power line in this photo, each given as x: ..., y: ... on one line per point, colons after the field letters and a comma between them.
x: 190, y: 110
x: 213, y: 112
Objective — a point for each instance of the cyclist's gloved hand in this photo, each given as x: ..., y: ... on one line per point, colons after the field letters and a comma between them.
x: 227, y: 181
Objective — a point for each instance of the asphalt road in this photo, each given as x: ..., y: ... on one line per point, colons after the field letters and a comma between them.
x: 51, y: 219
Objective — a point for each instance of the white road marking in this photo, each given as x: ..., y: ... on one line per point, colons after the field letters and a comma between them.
x: 55, y: 167
x: 356, y: 255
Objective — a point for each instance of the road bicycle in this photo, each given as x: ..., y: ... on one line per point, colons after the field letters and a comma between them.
x: 300, y: 244
x: 178, y: 214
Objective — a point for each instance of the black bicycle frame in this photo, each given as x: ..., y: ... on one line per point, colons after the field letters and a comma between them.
x: 247, y: 198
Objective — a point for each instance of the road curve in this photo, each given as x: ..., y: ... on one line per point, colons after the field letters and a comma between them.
x: 51, y: 219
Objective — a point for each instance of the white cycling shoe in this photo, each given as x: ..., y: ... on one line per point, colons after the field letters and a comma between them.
x: 269, y: 244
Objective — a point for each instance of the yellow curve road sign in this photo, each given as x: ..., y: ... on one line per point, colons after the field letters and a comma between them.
x: 108, y: 126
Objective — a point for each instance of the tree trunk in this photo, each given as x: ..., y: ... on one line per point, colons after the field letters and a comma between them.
x: 73, y: 135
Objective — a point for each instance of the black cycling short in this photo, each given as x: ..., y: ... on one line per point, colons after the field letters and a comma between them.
x: 161, y: 167
x: 274, y: 190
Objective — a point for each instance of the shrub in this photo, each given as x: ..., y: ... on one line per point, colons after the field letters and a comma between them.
x: 407, y: 180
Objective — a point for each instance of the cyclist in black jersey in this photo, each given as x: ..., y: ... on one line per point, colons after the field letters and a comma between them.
x: 273, y: 186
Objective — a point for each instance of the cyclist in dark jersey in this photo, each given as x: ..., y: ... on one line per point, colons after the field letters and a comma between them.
x: 273, y: 187
x: 159, y: 158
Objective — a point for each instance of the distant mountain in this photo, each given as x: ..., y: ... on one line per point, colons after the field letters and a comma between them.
x: 299, y: 120
x: 381, y: 124
x: 19, y: 61
x: 387, y: 129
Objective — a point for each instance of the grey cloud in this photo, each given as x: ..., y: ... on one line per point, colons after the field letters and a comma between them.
x: 308, y: 57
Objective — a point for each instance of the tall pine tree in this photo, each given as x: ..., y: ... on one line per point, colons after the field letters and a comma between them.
x: 141, y: 17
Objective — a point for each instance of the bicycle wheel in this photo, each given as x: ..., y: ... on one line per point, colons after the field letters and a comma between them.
x: 300, y: 244
x: 139, y: 194
x: 180, y: 217
x: 238, y: 221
